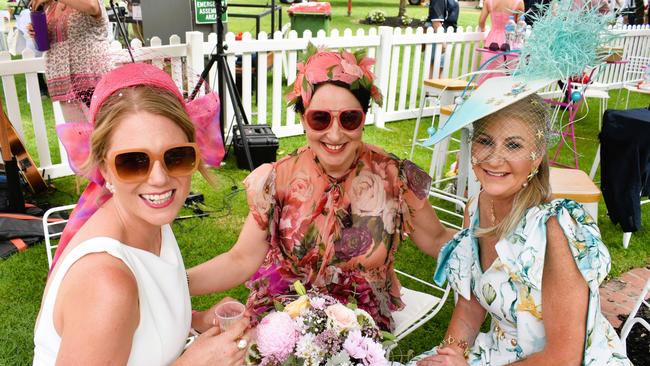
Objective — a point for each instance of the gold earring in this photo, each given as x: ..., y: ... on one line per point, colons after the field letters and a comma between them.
x: 532, y: 174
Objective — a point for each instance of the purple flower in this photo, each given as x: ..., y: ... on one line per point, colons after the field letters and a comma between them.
x: 276, y: 336
x: 329, y: 341
x: 270, y: 279
x: 354, y: 242
x: 416, y: 179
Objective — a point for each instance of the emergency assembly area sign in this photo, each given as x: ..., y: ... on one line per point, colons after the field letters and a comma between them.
x: 205, y: 12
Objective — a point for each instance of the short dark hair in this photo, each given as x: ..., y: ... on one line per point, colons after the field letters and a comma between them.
x: 362, y: 95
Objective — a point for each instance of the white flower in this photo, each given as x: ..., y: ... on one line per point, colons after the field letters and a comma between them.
x: 340, y: 359
x: 307, y: 349
x: 317, y: 303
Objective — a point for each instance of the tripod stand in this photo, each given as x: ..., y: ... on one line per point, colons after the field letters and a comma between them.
x: 225, y: 80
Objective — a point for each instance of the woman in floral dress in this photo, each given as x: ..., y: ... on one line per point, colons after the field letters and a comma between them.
x: 79, y: 52
x: 533, y: 264
x: 333, y: 213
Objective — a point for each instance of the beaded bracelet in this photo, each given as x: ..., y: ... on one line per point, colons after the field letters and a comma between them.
x: 450, y: 340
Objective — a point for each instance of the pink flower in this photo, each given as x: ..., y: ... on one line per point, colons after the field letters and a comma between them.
x: 277, y: 336
x: 375, y: 354
x: 349, y: 65
x: 367, y: 194
x: 318, y: 65
x: 301, y: 188
x: 342, y: 316
x: 355, y: 345
x: 365, y: 65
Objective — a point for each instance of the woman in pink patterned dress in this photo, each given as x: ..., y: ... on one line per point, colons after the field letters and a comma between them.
x: 333, y: 213
x: 78, y: 54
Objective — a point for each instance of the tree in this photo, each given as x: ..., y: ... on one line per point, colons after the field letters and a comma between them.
x: 402, y: 8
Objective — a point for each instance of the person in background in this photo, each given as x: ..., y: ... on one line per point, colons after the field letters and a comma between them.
x: 78, y: 54
x: 499, y: 12
x: 333, y: 213
x: 533, y: 11
x: 451, y: 16
x: 118, y: 293
x: 22, y: 24
x: 437, y: 13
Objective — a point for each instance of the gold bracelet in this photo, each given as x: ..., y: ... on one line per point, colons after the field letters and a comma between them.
x: 450, y: 340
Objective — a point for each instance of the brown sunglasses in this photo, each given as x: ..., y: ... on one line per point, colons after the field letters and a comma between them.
x: 134, y: 165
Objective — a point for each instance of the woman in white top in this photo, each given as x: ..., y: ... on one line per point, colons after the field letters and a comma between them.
x: 118, y: 293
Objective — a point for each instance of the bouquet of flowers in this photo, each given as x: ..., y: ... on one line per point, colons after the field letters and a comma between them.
x: 316, y: 330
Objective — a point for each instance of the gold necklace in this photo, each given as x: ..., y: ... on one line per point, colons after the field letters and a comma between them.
x: 493, y: 216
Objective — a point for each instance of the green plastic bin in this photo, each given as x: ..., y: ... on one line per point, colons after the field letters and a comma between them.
x: 313, y: 16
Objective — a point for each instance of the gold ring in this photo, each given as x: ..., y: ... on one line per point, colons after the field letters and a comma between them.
x: 242, y: 343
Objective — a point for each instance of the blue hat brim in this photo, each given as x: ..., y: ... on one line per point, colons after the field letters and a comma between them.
x: 493, y: 95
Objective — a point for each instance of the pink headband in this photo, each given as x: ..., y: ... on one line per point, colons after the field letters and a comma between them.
x: 321, y: 66
x: 75, y: 137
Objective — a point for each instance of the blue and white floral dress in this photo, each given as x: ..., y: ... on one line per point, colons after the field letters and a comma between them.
x: 511, y: 288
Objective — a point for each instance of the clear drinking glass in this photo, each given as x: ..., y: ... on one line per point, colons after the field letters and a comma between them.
x: 228, y: 313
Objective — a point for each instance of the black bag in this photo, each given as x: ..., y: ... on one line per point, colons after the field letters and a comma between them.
x: 20, y: 231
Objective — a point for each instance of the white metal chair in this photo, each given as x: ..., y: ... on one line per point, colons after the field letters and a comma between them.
x: 634, y: 71
x: 419, y: 307
x: 53, y: 230
x: 633, y: 319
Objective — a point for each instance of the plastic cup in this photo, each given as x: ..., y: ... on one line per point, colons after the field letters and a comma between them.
x: 228, y: 313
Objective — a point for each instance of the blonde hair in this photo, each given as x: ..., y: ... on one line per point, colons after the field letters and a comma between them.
x: 132, y: 100
x: 535, y: 114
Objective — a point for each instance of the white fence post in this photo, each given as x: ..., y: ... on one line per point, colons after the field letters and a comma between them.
x: 382, y: 67
x: 194, y: 60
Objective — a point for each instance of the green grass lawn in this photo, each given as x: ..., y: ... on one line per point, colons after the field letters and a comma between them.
x: 23, y: 276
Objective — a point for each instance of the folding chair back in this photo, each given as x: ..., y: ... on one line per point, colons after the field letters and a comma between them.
x: 52, y: 230
x: 633, y: 318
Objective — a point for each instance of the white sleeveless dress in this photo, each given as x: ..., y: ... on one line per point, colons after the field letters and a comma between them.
x: 164, y: 300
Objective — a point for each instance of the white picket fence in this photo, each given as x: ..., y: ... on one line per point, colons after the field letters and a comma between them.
x: 404, y: 59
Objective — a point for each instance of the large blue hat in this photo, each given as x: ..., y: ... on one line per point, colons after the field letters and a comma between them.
x: 493, y: 95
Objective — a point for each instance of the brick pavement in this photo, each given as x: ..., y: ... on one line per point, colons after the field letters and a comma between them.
x: 618, y: 296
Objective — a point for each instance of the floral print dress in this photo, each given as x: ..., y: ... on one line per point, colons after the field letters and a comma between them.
x: 79, y: 52
x: 511, y: 288
x: 338, y: 236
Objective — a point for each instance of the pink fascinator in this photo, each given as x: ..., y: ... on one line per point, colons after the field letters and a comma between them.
x: 75, y: 137
x: 321, y: 66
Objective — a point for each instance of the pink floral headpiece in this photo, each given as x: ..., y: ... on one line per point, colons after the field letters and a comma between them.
x: 321, y: 66
x: 75, y: 137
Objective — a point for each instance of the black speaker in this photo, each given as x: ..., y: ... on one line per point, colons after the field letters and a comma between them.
x: 262, y: 142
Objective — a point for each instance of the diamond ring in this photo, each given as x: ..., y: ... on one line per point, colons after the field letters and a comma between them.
x: 242, y: 343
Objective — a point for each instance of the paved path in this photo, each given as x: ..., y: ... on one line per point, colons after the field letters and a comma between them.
x: 619, y: 295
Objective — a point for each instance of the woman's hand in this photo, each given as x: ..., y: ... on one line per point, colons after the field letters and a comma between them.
x: 30, y: 30
x: 206, y: 319
x: 212, y: 348
x: 446, y: 356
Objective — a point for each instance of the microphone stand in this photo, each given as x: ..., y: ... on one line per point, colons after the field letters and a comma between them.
x: 122, y: 30
x: 225, y: 82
